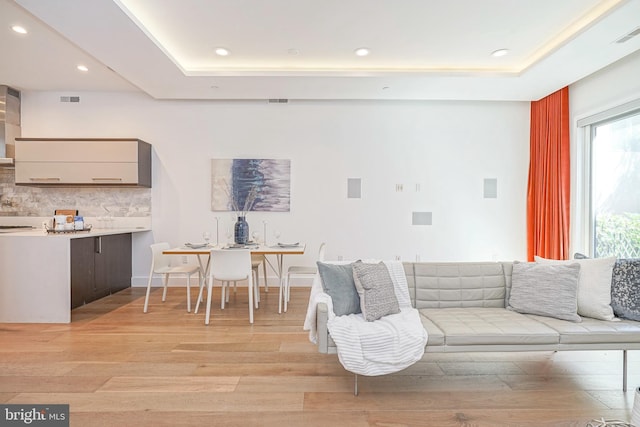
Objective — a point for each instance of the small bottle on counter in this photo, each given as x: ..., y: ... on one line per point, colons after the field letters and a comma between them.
x: 78, y: 222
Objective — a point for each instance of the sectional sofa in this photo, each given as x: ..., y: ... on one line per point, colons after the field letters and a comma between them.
x: 463, y: 308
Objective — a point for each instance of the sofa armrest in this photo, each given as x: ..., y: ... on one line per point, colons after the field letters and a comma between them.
x: 322, y: 317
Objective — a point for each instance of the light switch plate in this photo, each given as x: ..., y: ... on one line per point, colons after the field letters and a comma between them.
x: 490, y: 188
x: 354, y: 188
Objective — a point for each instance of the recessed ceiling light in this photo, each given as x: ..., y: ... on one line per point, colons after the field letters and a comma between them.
x: 386, y: 88
x: 293, y: 52
x: 82, y: 68
x: 499, y: 52
x: 19, y: 29
x: 220, y: 51
x: 362, y: 51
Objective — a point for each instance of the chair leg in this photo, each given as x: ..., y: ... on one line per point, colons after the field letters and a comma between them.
x: 250, y: 299
x: 256, y: 282
x: 280, y: 295
x: 256, y: 289
x: 146, y: 298
x: 286, y: 292
x: 165, y: 283
x: 222, y: 297
x: 208, y: 313
x: 189, y: 293
x: 264, y: 271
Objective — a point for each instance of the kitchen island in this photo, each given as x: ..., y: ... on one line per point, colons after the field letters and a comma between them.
x: 44, y: 275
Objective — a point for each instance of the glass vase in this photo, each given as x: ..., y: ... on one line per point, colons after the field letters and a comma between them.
x: 241, y: 231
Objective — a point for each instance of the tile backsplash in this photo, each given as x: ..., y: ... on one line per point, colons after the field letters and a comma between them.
x: 90, y: 201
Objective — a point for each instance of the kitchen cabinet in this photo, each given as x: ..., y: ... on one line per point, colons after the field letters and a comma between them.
x: 100, y: 266
x: 36, y: 270
x: 113, y: 162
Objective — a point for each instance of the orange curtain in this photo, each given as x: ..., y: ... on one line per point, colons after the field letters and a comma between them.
x: 548, y: 192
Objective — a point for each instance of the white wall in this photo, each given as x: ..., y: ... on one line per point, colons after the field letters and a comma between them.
x: 446, y: 147
x: 606, y: 89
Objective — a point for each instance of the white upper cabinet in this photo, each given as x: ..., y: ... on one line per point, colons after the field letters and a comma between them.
x: 45, y: 161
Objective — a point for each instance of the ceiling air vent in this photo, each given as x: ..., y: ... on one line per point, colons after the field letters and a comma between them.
x: 279, y: 101
x: 69, y: 99
x: 629, y: 36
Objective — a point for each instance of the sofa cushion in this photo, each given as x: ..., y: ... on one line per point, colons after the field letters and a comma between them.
x: 456, y: 284
x: 375, y: 289
x: 545, y: 290
x: 488, y: 326
x: 592, y: 331
x: 337, y: 282
x: 594, y: 286
x: 435, y: 336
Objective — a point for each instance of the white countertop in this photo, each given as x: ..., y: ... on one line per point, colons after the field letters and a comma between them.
x: 75, y: 234
x: 119, y: 225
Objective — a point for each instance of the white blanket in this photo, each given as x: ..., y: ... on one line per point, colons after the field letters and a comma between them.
x: 374, y: 348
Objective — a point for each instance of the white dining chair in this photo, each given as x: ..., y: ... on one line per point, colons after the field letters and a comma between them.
x: 229, y: 265
x: 256, y: 262
x: 296, y: 270
x: 162, y: 264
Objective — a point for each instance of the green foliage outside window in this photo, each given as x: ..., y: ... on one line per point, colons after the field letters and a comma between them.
x: 618, y: 235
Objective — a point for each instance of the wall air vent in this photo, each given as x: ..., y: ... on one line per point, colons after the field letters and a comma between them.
x: 278, y: 101
x: 69, y: 99
x: 629, y: 36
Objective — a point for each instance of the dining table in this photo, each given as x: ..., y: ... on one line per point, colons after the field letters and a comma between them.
x: 203, y: 254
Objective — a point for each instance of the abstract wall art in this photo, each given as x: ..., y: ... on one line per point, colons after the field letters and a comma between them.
x: 234, y: 180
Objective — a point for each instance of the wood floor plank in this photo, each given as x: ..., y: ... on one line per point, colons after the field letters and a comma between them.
x: 51, y: 384
x: 39, y: 368
x: 168, y: 401
x: 222, y: 419
x: 453, y: 400
x: 117, y: 366
x: 170, y: 384
x: 133, y: 369
x: 5, y: 397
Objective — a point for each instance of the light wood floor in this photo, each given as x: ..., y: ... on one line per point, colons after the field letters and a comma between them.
x: 116, y: 366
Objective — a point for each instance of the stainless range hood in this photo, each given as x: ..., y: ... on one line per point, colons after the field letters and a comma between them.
x: 9, y: 124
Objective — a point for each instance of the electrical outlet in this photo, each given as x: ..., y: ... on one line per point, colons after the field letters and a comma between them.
x: 417, y: 257
x: 339, y: 257
x: 398, y: 257
x: 184, y: 260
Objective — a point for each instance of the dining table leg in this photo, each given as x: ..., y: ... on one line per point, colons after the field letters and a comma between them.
x: 204, y: 277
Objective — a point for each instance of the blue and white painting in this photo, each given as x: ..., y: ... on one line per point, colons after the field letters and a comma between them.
x: 233, y: 179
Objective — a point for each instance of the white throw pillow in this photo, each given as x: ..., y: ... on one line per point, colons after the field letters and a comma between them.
x: 594, y: 285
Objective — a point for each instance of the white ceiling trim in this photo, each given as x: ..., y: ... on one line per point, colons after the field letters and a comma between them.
x: 119, y: 49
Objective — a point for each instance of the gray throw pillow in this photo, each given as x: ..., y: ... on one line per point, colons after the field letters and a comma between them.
x: 625, y: 287
x: 337, y: 282
x: 545, y: 290
x: 376, y: 290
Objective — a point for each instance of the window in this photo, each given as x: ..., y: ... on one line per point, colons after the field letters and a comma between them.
x: 614, y: 195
